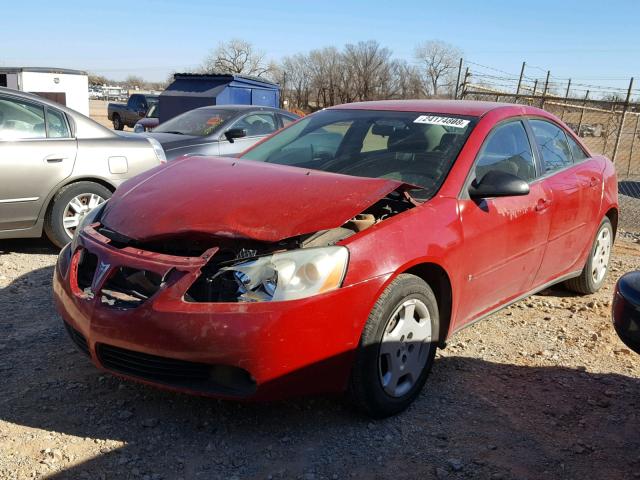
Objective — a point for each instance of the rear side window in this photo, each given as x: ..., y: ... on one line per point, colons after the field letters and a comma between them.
x: 553, y: 145
x: 507, y: 150
x: 57, y: 124
x: 576, y: 150
x: 257, y: 124
x: 21, y: 120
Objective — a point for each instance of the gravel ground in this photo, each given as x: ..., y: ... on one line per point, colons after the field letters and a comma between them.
x: 543, y: 389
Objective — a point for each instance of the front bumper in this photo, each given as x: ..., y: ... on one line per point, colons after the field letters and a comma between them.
x: 263, y: 350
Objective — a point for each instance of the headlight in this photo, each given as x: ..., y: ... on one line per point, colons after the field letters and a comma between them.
x: 88, y: 219
x: 157, y: 148
x: 290, y: 275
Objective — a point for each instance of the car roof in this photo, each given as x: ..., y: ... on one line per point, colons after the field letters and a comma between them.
x: 243, y: 108
x: 454, y: 107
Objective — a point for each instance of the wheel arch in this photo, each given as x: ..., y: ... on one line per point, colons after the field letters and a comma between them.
x: 440, y: 282
x: 100, y: 181
x: 612, y: 215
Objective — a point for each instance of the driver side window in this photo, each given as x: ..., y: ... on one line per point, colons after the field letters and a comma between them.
x: 507, y: 149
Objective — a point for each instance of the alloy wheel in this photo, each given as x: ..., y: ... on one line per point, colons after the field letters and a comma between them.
x: 77, y: 208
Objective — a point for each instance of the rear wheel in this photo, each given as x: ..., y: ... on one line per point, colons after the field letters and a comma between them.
x: 397, y: 348
x: 68, y: 208
x: 117, y: 122
x: 595, y: 270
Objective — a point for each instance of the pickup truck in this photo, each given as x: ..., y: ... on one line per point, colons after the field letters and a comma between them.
x: 135, y: 109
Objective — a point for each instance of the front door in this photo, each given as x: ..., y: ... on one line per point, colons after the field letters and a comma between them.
x: 258, y: 125
x: 504, y: 238
x: 36, y: 154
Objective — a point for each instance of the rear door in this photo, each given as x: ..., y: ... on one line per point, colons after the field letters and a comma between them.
x: 257, y: 124
x: 504, y: 238
x: 37, y: 152
x: 576, y: 195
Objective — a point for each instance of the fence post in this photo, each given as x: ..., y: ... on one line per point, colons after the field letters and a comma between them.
x: 464, y: 83
x: 566, y: 98
x: 458, y: 79
x: 544, y: 92
x: 584, y: 104
x: 520, y: 82
x: 621, y: 126
x: 533, y: 95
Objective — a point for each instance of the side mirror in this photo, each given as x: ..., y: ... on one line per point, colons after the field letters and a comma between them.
x: 235, y: 133
x: 498, y: 184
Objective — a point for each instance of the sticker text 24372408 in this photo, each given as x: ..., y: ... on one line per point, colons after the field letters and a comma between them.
x: 444, y: 121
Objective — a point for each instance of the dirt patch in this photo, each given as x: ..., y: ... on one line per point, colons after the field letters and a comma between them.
x: 543, y: 389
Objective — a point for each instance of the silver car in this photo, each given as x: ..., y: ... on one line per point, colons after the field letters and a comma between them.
x: 56, y: 165
x: 223, y: 130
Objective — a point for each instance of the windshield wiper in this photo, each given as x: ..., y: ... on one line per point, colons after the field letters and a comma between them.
x: 176, y: 132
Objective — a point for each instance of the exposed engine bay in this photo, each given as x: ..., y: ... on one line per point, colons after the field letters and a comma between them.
x: 222, y: 281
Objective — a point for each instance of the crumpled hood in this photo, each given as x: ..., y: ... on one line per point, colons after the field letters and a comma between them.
x: 238, y: 199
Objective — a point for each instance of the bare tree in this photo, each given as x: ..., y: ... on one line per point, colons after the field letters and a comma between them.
x: 366, y: 64
x: 236, y: 56
x: 439, y: 62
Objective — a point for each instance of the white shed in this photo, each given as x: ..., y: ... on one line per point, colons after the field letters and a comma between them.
x: 67, y: 87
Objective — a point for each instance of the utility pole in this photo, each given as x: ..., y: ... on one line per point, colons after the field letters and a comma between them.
x: 458, y: 79
x: 520, y: 81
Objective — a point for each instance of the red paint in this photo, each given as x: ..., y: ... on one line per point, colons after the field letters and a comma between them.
x: 239, y: 199
x: 492, y: 252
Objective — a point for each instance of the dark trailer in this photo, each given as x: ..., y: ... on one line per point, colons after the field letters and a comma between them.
x: 191, y: 90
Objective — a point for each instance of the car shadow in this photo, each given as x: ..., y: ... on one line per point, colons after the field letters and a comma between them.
x: 474, y: 419
x: 37, y: 246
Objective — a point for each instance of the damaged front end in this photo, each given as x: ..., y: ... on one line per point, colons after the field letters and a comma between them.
x: 295, y: 268
x: 242, y: 269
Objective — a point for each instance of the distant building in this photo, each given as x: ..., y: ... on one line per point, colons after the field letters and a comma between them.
x: 67, y: 87
x: 193, y: 90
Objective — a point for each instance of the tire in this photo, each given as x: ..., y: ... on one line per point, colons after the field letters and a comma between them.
x: 588, y: 281
x: 372, y: 367
x: 54, y: 227
x: 117, y: 122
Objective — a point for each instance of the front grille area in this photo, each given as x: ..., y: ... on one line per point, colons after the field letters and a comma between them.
x: 129, y: 287
x: 78, y: 339
x: 86, y: 269
x: 220, y: 379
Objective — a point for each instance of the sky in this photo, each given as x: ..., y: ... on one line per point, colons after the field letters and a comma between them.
x: 593, y: 42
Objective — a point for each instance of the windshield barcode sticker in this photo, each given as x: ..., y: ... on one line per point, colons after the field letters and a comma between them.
x: 444, y: 121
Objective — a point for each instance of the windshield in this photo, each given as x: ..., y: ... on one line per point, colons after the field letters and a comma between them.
x: 199, y: 122
x: 415, y: 148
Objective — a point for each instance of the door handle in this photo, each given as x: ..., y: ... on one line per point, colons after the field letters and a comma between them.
x: 54, y: 158
x: 542, y: 204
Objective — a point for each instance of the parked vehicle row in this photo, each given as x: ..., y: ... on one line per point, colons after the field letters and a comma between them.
x: 56, y: 165
x: 339, y: 253
x: 128, y: 114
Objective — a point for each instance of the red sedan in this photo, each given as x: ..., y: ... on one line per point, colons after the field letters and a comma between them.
x: 338, y: 254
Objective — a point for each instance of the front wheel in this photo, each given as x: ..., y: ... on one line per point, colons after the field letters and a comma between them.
x: 397, y: 348
x: 595, y: 270
x: 68, y: 208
